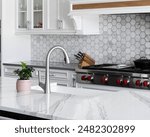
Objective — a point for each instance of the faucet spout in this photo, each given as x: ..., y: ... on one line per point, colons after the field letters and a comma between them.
x: 46, y: 86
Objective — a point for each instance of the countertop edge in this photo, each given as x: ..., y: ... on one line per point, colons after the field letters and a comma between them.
x: 42, y: 67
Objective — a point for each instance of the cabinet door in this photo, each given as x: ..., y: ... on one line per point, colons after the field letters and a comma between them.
x: 37, y: 15
x: 58, y: 18
x: 22, y: 14
x: 64, y: 10
x: 52, y: 9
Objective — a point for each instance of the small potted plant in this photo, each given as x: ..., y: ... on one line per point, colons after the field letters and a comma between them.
x: 25, y: 73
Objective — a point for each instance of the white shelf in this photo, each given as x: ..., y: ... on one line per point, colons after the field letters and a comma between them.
x: 96, y: 1
x: 38, y: 10
x: 120, y: 10
x: 22, y: 11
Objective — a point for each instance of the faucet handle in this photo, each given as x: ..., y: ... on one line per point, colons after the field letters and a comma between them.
x: 66, y: 59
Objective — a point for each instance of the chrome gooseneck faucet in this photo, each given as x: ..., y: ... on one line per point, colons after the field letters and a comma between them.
x: 46, y: 86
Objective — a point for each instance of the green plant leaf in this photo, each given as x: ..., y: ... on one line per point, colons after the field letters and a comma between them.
x: 25, y: 72
x: 23, y: 65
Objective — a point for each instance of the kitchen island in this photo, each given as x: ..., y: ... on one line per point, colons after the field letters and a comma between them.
x: 67, y: 103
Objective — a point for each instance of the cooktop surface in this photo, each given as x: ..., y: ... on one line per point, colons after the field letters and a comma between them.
x: 118, y: 67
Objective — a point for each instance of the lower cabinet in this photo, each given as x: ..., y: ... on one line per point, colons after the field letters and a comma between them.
x: 62, y: 77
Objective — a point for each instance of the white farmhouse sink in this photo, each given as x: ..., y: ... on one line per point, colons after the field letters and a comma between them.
x: 74, y: 91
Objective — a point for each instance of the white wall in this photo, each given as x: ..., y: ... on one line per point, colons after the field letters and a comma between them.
x: 0, y: 9
x: 14, y: 47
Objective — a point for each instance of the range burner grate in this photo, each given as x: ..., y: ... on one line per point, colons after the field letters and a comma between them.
x: 98, y: 66
x: 119, y: 68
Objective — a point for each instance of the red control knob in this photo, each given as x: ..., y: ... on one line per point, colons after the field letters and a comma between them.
x: 119, y: 81
x: 89, y: 78
x: 83, y: 77
x: 146, y: 83
x: 104, y: 79
x: 126, y: 82
x: 138, y: 83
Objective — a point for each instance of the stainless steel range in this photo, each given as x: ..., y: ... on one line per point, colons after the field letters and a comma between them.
x: 115, y: 75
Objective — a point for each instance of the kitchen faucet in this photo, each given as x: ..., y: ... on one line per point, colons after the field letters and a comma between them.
x: 46, y: 86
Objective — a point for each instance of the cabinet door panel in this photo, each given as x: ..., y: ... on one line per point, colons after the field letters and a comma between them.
x: 37, y: 14
x: 67, y: 22
x: 52, y: 14
x: 58, y: 11
x: 22, y: 14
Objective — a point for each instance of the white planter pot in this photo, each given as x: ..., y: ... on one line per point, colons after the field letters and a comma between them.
x: 23, y: 85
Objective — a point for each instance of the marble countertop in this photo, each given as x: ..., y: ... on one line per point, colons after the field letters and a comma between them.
x: 41, y: 64
x: 74, y: 103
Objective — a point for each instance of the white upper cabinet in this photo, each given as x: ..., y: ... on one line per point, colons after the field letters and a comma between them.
x: 22, y: 15
x: 29, y: 15
x: 37, y: 15
x: 44, y: 17
x: 58, y: 18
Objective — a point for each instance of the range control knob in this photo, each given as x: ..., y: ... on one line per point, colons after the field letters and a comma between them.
x: 83, y: 77
x: 89, y: 78
x: 104, y: 79
x: 119, y: 81
x: 126, y: 82
x: 146, y: 83
x: 138, y: 83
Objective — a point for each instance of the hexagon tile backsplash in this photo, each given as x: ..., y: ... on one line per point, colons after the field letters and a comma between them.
x: 123, y: 38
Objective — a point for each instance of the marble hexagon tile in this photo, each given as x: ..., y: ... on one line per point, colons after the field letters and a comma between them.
x: 122, y: 39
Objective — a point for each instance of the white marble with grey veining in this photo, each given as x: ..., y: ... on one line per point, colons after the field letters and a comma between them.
x: 76, y: 104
